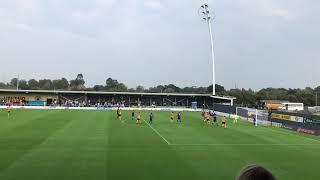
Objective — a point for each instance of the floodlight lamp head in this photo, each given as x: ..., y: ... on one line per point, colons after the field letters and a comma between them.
x: 205, y: 13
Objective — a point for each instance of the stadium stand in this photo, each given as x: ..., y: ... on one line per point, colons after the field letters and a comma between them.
x: 111, y: 99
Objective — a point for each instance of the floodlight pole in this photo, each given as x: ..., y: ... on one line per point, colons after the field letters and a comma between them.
x: 204, y: 10
x: 212, y: 54
x: 18, y: 82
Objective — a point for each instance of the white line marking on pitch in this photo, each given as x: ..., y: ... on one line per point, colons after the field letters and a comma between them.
x: 158, y: 133
x: 244, y: 144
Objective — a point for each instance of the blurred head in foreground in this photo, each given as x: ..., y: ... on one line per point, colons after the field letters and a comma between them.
x: 255, y: 172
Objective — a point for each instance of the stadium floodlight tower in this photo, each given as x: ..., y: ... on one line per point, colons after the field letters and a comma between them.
x: 18, y: 82
x: 208, y: 16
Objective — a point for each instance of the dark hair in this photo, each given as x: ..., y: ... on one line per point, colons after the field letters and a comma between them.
x: 255, y: 172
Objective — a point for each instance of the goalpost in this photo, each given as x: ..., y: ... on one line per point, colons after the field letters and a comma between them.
x: 258, y: 117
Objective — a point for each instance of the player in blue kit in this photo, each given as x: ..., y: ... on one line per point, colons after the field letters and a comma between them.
x: 214, y: 117
x: 151, y: 118
x: 179, y: 118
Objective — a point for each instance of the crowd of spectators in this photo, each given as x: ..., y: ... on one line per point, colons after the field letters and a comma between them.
x: 20, y: 101
x: 99, y: 101
x: 89, y: 103
x: 17, y: 101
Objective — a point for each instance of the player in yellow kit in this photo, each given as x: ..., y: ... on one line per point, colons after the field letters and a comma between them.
x: 119, y: 113
x: 224, y: 121
x: 171, y: 117
x: 208, y: 118
x: 138, y: 118
x: 9, y: 110
x: 205, y: 117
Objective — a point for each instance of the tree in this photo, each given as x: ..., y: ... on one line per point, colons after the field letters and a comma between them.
x: 172, y: 88
x: 309, y: 90
x: 122, y: 87
x: 3, y: 85
x: 23, y: 84
x: 131, y: 90
x: 274, y: 93
x: 46, y: 84
x: 261, y: 96
x: 111, y: 84
x: 169, y: 90
x: 157, y: 89
x: 33, y: 84
x: 219, y: 89
x: 114, y: 85
x: 60, y: 84
x: 78, y: 83
x: 140, y: 89
x: 14, y: 82
x: 80, y: 79
x: 64, y: 83
x: 99, y: 88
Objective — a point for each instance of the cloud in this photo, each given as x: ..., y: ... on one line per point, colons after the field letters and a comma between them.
x: 105, y: 3
x: 91, y: 12
x: 27, y: 4
x: 153, y: 4
x: 265, y: 8
x: 24, y: 27
x: 280, y: 13
x: 20, y: 6
x: 273, y: 9
x: 85, y: 17
x: 11, y: 25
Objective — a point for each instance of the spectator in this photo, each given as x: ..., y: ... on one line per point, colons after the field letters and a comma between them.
x: 254, y: 172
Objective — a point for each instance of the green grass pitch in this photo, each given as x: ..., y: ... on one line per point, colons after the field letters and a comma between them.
x: 95, y: 145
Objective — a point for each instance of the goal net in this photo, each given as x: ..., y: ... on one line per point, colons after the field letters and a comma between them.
x: 257, y: 117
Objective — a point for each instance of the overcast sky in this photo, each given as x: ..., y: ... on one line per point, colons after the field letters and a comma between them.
x: 258, y: 43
